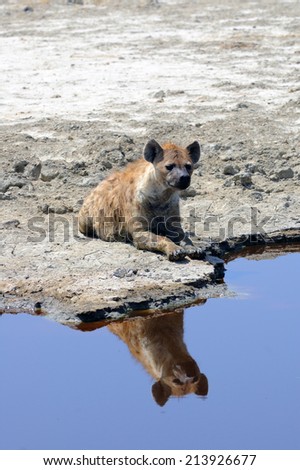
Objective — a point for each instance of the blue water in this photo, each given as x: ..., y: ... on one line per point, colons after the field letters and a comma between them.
x: 66, y: 389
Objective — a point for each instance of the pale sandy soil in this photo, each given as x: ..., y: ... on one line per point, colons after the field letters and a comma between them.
x: 83, y: 87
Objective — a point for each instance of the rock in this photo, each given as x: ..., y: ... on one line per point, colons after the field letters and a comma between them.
x: 257, y: 196
x: 6, y: 197
x: 231, y: 170
x: 125, y: 141
x: 159, y: 95
x: 20, y: 166
x: 44, y: 208
x: 228, y: 183
x: 48, y: 173
x: 252, y: 168
x: 114, y: 156
x: 284, y: 174
x: 5, y: 185
x: 75, y: 2
x: 175, y: 92
x: 117, y: 157
x: 107, y: 165
x: 124, y: 272
x: 90, y: 182
x: 33, y: 170
x: 244, y: 179
x: 216, y: 147
x: 60, y: 209
x: 10, y: 224
x: 28, y: 10
x: 189, y: 192
x: 242, y: 106
x: 76, y: 166
x: 226, y: 158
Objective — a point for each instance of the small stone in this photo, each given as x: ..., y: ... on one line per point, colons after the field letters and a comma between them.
x: 230, y: 170
x: 226, y: 158
x: 63, y: 209
x: 125, y: 141
x: 189, y: 192
x: 28, y: 10
x: 159, y: 95
x: 33, y: 170
x: 216, y: 147
x: 115, y: 156
x: 60, y: 210
x: 5, y: 185
x: 257, y: 196
x: 90, y: 182
x: 284, y: 174
x: 107, y: 165
x: 244, y: 179
x: 44, y: 208
x: 252, y: 168
x: 124, y: 272
x: 11, y: 224
x: 78, y: 166
x: 215, y: 260
x: 29, y: 137
x: 48, y: 174
x: 20, y: 166
x: 228, y: 183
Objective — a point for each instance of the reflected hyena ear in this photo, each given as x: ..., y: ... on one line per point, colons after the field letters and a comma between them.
x: 161, y: 393
x: 194, y: 151
x: 202, y: 386
x: 153, y: 151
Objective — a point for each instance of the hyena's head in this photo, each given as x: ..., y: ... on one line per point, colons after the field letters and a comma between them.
x: 174, y: 165
x: 181, y: 379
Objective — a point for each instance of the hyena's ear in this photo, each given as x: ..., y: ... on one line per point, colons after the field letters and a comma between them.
x: 194, y: 151
x: 161, y: 393
x: 153, y: 152
x: 202, y: 386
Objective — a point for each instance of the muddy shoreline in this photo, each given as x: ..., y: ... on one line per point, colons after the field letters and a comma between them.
x: 85, y: 89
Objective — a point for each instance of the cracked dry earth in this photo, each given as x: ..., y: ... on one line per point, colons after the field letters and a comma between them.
x: 83, y: 87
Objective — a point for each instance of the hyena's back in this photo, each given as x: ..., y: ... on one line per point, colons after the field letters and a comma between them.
x: 110, y: 206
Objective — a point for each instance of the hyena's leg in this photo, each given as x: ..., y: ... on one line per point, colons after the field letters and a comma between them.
x: 85, y: 222
x: 145, y: 240
x: 175, y: 233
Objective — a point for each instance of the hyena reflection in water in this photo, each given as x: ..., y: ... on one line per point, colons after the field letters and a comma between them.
x: 157, y: 343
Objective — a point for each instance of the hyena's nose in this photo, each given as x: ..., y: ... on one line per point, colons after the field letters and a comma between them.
x: 184, y: 181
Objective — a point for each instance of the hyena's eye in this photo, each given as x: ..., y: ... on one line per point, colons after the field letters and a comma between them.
x: 177, y: 382
x: 170, y: 167
x: 188, y: 166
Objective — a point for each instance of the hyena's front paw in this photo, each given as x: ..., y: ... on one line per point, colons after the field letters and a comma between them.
x: 193, y: 252
x: 177, y: 254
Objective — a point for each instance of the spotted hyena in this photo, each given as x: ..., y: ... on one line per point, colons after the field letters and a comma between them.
x: 141, y: 202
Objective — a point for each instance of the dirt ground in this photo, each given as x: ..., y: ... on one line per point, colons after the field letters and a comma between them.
x: 84, y: 86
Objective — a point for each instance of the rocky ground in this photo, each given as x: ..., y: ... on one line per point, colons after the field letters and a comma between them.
x: 84, y: 86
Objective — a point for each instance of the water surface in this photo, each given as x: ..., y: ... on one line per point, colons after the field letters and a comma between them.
x: 67, y: 389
